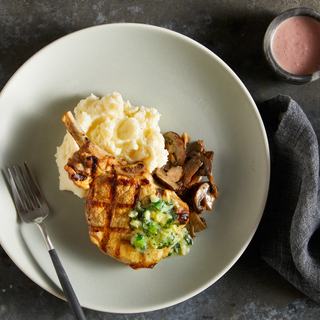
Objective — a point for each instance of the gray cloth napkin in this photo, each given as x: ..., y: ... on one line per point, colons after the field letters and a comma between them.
x: 290, y: 226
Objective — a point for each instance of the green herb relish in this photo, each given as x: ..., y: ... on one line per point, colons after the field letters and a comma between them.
x: 155, y: 226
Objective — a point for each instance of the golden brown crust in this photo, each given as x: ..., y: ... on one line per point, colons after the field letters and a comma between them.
x: 111, y: 197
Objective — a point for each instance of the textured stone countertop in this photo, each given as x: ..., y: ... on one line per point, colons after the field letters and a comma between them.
x: 234, y: 30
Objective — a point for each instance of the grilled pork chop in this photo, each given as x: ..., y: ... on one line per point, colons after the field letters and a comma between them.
x: 115, y: 189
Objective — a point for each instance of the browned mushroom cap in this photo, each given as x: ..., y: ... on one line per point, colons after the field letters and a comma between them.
x: 175, y: 146
x: 196, y: 223
x: 169, y: 178
x: 202, y: 197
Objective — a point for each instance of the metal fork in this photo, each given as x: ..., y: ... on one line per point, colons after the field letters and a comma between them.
x: 32, y: 207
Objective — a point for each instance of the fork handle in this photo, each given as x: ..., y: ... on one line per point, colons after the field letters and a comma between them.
x: 66, y: 286
x: 62, y: 275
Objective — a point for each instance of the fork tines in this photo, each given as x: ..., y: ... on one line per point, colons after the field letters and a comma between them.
x: 27, y: 195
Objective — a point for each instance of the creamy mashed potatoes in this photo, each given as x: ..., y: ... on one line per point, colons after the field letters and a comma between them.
x: 127, y: 132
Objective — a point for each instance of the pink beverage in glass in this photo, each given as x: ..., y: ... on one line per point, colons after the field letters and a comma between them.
x: 296, y: 45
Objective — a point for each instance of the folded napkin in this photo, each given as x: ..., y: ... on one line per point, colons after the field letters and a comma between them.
x: 290, y: 226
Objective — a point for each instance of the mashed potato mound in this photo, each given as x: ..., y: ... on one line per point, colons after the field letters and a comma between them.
x: 127, y: 132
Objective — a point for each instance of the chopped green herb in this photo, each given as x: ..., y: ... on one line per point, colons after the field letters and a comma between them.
x: 156, y: 226
x: 139, y: 241
x: 188, y: 239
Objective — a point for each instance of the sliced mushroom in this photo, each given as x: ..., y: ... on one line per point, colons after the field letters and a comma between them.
x: 196, y: 178
x: 190, y: 168
x: 202, y: 197
x: 206, y: 168
x: 201, y: 144
x: 186, y: 139
x: 175, y: 146
x: 197, y: 223
x: 214, y: 188
x: 184, y: 191
x: 166, y: 180
x: 175, y: 173
x: 209, y: 155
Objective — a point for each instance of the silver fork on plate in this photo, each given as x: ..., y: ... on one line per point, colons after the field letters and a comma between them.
x: 32, y: 207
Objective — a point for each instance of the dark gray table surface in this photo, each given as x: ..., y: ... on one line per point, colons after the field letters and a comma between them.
x: 234, y: 30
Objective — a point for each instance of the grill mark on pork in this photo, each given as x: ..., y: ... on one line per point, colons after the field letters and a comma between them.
x: 112, y: 208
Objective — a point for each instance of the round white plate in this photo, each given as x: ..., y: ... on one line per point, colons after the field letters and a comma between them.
x: 195, y: 92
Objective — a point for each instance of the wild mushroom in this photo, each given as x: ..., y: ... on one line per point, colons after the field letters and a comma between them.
x: 202, y: 146
x: 209, y: 155
x: 175, y: 146
x: 206, y: 168
x: 214, y: 188
x: 183, y: 174
x: 169, y: 178
x: 175, y: 173
x: 196, y: 223
x: 190, y: 167
x: 196, y: 178
x: 186, y: 139
x: 202, y: 197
